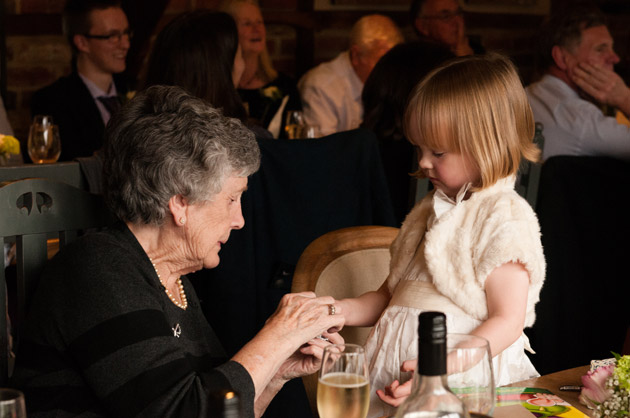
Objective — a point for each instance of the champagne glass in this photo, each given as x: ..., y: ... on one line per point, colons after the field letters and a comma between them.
x: 295, y: 125
x: 470, y: 374
x: 44, y: 145
x: 343, y: 389
x: 12, y: 404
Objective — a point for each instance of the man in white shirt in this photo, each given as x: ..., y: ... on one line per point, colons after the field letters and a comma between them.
x: 580, y: 78
x: 331, y: 92
x: 83, y: 102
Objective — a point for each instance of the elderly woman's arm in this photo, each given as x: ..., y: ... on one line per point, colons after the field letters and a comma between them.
x: 271, y: 358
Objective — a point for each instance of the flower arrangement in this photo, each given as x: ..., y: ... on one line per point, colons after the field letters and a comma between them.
x: 607, y: 388
x: 8, y: 145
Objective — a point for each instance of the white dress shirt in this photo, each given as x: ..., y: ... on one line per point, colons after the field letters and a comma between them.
x: 331, y: 96
x: 574, y: 126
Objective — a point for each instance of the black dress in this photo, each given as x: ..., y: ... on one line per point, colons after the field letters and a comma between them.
x: 263, y: 103
x: 103, y: 339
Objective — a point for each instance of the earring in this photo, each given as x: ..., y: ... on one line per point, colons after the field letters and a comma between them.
x: 182, y: 220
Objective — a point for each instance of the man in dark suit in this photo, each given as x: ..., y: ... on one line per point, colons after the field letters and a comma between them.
x: 82, y: 102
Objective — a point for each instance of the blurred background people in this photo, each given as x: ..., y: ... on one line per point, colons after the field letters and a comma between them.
x: 83, y: 102
x: 331, y: 92
x: 442, y: 21
x: 199, y: 52
x: 384, y: 97
x: 578, y: 57
x: 264, y: 91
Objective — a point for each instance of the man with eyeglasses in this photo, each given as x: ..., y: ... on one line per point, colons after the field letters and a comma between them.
x: 83, y: 102
x: 442, y: 21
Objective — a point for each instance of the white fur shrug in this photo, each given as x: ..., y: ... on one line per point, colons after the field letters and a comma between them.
x: 494, y: 226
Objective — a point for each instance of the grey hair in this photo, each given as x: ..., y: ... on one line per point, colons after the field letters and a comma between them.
x: 165, y: 142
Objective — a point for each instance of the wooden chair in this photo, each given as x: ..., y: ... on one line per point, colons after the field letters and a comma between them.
x: 33, y: 211
x: 344, y: 263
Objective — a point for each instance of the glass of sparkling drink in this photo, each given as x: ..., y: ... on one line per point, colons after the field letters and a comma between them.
x: 343, y: 389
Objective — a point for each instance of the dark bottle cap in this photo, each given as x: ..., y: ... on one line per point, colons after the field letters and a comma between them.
x: 432, y: 343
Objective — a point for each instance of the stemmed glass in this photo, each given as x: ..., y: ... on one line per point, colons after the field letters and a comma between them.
x: 343, y: 389
x: 12, y: 404
x: 44, y: 145
x: 470, y: 374
x: 296, y: 127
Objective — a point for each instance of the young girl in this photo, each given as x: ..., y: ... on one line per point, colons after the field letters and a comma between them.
x: 471, y: 248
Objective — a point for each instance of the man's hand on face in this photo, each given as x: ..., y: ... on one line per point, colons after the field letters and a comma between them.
x: 463, y: 47
x: 602, y: 84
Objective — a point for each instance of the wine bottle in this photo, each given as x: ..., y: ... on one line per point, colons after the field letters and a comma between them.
x: 224, y: 404
x: 430, y: 396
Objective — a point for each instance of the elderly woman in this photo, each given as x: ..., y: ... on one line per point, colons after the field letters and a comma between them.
x: 261, y: 87
x: 115, y: 328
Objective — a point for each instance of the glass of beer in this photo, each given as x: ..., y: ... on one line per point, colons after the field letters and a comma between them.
x: 12, y: 404
x: 343, y: 389
x: 43, y: 145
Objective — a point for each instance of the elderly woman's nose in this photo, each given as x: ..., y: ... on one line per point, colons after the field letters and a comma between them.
x: 238, y: 221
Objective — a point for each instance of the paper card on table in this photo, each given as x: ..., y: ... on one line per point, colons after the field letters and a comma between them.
x: 540, y: 402
x: 511, y: 411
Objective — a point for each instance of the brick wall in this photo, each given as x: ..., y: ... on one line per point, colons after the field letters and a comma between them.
x: 38, y: 55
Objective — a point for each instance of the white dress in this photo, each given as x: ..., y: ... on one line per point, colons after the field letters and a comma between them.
x: 394, y: 338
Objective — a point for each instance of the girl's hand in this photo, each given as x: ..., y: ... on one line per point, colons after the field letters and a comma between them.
x: 395, y: 393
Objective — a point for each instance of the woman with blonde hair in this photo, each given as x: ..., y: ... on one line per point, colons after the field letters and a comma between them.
x: 262, y: 89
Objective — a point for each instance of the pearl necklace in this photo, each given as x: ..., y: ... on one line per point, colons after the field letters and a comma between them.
x: 180, y: 285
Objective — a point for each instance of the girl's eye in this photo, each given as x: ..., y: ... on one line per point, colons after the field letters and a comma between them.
x: 438, y: 154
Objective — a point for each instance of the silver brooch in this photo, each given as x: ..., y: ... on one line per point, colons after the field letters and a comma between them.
x: 177, y: 331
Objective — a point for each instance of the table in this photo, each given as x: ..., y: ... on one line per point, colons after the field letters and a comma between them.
x: 552, y: 382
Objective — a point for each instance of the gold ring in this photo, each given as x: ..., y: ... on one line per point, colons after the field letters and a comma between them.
x: 331, y: 309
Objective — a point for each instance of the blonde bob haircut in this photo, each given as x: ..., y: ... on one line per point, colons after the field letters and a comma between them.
x: 475, y: 106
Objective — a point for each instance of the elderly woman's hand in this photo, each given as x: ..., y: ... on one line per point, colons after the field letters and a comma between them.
x: 302, y: 316
x: 308, y: 359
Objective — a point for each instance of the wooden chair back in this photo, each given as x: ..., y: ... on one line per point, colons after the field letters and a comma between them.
x: 344, y: 263
x: 34, y: 211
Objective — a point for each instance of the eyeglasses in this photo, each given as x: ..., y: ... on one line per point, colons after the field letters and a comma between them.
x: 445, y: 15
x: 112, y: 38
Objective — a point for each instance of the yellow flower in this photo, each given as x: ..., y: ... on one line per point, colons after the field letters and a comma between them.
x: 9, y: 145
x: 272, y: 92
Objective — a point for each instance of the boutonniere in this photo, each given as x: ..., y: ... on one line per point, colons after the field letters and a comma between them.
x: 124, y: 98
x: 271, y: 92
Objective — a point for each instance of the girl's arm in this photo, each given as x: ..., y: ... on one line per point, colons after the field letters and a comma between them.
x: 364, y: 311
x: 506, y: 296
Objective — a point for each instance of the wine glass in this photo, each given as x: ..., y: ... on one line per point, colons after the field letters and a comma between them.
x: 470, y: 374
x: 295, y: 125
x: 12, y: 404
x: 44, y: 145
x: 343, y: 389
